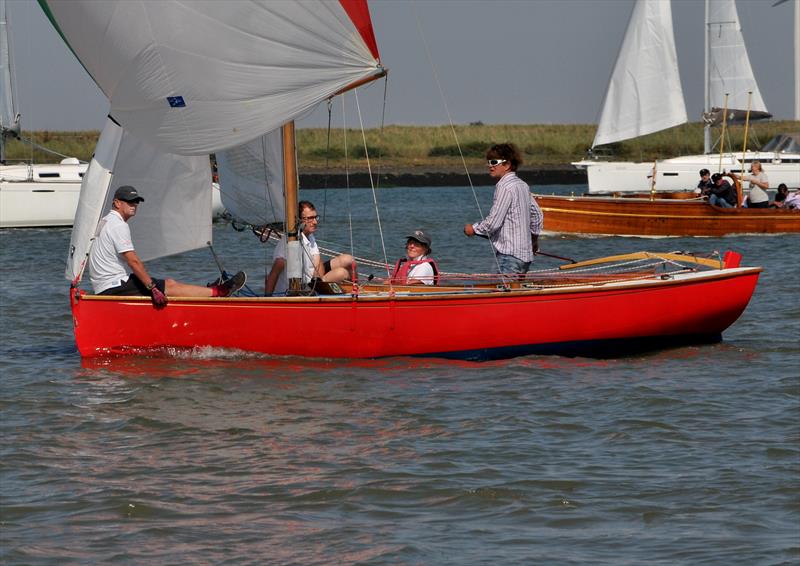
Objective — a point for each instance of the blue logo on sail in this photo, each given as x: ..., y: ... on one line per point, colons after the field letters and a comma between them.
x: 176, y: 102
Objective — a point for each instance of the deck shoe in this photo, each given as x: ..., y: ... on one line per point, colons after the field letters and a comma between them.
x: 230, y: 286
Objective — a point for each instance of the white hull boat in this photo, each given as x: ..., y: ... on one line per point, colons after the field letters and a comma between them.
x: 682, y: 173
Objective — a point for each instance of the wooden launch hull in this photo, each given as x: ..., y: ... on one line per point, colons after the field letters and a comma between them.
x: 596, y: 320
x: 660, y: 217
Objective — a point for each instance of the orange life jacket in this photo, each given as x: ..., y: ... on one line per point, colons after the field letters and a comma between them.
x: 404, y: 265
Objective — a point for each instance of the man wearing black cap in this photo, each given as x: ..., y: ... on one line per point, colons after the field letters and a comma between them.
x: 113, y: 256
x: 706, y: 184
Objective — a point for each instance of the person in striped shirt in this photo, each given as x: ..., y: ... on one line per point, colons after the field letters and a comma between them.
x: 515, y: 220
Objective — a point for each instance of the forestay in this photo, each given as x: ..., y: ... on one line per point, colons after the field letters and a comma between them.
x: 644, y: 94
x: 176, y: 214
x: 198, y: 77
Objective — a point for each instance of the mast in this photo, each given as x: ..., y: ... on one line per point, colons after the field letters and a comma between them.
x: 706, y: 90
x: 294, y: 258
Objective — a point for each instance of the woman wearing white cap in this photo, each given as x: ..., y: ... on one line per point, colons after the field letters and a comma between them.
x: 417, y: 268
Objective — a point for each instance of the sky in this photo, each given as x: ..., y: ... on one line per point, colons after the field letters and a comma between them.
x: 497, y: 62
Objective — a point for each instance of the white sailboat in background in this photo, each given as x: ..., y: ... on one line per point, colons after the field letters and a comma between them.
x: 645, y: 96
x: 30, y: 194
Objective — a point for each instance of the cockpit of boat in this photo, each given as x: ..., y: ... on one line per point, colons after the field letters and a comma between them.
x: 783, y: 143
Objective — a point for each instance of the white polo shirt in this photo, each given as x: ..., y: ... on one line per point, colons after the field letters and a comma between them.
x: 310, y: 249
x: 107, y: 267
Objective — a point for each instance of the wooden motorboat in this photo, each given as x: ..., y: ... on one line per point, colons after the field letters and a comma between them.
x: 627, y: 216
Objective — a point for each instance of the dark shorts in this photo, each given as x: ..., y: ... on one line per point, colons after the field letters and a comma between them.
x: 764, y: 204
x: 327, y: 266
x: 134, y: 287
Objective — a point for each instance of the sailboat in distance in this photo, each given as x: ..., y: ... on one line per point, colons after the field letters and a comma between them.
x: 645, y: 96
x: 272, y: 63
x: 31, y: 194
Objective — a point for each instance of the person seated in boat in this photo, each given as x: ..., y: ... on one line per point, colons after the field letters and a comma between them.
x: 515, y: 219
x: 792, y: 201
x: 722, y: 194
x: 757, y: 196
x: 113, y: 256
x: 780, y: 196
x: 417, y: 268
x: 706, y: 184
x: 334, y: 270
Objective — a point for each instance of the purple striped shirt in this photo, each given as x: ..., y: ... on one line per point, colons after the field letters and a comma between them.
x: 514, y: 216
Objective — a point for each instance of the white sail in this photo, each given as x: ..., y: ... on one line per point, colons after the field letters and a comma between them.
x: 251, y: 180
x: 729, y: 70
x: 9, y: 119
x: 176, y: 214
x: 197, y: 77
x: 644, y: 94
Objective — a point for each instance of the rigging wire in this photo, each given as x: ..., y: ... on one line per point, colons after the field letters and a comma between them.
x: 450, y: 120
x: 371, y: 182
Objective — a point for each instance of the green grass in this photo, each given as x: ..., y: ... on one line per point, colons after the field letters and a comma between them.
x: 421, y: 148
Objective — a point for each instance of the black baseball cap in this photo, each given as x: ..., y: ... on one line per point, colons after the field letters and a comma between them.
x: 128, y: 194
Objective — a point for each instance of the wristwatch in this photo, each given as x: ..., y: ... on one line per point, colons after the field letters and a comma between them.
x: 150, y: 287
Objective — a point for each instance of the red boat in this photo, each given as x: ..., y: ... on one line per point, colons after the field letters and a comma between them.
x: 159, y: 135
x: 567, y: 312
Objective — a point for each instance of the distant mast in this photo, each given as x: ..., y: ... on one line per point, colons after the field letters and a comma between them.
x: 9, y: 118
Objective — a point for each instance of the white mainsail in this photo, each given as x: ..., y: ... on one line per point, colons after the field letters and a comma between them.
x: 729, y: 69
x: 189, y: 78
x: 9, y: 118
x: 644, y: 94
x: 197, y: 77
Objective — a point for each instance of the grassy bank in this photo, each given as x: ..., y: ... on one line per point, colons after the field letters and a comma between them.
x: 426, y: 148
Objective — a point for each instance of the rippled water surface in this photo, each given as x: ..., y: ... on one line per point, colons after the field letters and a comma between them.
x: 681, y: 456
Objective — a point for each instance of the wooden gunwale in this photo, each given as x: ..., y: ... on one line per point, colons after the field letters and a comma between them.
x: 444, y: 293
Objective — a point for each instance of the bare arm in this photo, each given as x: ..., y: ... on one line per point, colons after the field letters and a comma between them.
x: 137, y: 268
x: 272, y: 279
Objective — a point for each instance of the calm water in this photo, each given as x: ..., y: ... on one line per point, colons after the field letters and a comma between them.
x: 684, y: 456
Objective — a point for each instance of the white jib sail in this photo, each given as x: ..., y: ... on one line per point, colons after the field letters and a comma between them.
x: 251, y: 180
x: 644, y: 94
x: 729, y: 67
x: 198, y: 77
x: 176, y: 214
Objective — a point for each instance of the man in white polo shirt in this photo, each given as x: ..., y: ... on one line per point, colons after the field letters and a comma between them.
x: 113, y: 256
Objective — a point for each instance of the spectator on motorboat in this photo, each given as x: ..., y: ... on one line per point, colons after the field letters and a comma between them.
x: 515, y: 219
x: 417, y: 267
x: 780, y: 196
x: 706, y: 184
x: 333, y: 270
x: 722, y: 193
x: 113, y: 256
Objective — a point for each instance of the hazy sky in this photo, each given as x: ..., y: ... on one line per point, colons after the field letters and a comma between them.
x: 499, y: 62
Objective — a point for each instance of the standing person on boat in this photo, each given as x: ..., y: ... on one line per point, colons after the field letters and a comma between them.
x: 515, y: 220
x: 722, y: 193
x: 113, y: 255
x: 417, y: 268
x: 332, y: 271
x: 757, y: 197
x: 706, y: 184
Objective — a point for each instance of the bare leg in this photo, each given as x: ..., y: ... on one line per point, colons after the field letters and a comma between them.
x: 178, y: 289
x: 340, y: 269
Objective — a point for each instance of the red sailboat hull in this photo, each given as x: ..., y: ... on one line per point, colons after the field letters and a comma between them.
x: 479, y: 325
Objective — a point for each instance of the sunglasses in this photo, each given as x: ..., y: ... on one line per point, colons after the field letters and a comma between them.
x: 495, y: 162
x: 310, y: 218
